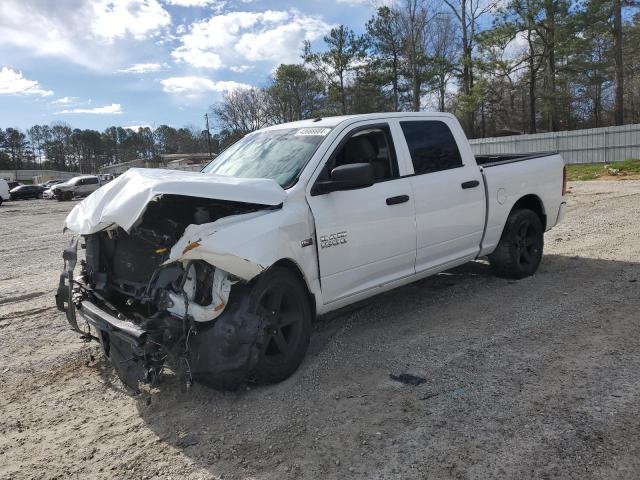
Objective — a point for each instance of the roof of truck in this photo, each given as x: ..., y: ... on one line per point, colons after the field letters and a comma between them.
x: 337, y: 120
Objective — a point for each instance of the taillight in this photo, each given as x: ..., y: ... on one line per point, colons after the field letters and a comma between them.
x: 564, y: 180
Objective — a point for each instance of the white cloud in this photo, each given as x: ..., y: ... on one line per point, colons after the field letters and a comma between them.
x: 117, y: 18
x: 240, y: 68
x: 86, y: 32
x: 113, y: 109
x: 135, y: 128
x: 195, y: 87
x: 193, y: 3
x: 13, y: 82
x: 66, y: 100
x: 143, y: 68
x: 231, y: 39
x: 516, y: 47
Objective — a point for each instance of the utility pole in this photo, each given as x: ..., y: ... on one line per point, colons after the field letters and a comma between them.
x: 618, y: 60
x: 206, y: 117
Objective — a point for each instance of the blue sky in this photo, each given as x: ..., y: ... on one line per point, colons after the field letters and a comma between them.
x: 97, y: 63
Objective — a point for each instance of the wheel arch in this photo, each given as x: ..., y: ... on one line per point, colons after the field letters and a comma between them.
x: 534, y: 203
x: 294, y: 268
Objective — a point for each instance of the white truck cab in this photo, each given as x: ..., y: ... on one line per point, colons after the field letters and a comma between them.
x: 291, y: 222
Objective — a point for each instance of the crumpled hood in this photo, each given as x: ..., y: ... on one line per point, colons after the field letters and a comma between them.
x: 123, y: 200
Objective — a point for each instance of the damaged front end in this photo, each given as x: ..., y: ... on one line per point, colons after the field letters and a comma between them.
x: 151, y: 302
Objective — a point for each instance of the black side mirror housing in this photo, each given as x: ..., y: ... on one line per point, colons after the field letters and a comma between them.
x: 346, y: 177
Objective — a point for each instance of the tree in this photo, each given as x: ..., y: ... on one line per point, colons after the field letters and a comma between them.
x: 413, y: 17
x: 242, y: 111
x: 386, y: 45
x: 345, y: 52
x: 294, y: 93
x: 444, y: 54
x: 15, y: 143
x: 39, y: 135
x: 468, y: 13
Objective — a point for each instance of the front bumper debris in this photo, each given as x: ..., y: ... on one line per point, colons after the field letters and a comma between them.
x: 64, y: 295
x: 219, y: 353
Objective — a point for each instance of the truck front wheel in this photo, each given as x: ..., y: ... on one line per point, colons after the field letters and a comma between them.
x: 279, y: 296
x: 519, y: 252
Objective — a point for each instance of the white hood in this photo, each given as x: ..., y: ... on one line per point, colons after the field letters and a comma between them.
x: 123, y: 201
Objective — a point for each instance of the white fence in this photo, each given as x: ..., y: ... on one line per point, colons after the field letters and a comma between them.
x: 36, y: 175
x: 594, y: 145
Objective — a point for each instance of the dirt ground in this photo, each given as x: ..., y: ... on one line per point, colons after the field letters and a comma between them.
x: 538, y: 378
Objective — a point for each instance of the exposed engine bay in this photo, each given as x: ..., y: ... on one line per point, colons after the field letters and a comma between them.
x: 148, y: 310
x: 129, y: 269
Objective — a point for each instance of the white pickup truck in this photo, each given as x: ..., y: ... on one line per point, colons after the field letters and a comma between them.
x: 223, y: 271
x: 80, y: 186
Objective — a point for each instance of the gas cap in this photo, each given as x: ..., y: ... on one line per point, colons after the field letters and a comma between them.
x: 502, y: 196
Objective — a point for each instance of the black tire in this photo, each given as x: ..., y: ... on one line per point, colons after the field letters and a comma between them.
x: 519, y: 252
x: 0, y: 201
x: 279, y: 293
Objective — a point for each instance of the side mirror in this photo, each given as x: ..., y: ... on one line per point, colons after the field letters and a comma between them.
x: 347, y: 177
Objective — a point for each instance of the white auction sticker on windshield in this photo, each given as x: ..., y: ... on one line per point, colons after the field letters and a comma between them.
x: 318, y: 132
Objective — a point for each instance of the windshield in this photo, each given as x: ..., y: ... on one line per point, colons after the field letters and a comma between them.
x: 277, y: 154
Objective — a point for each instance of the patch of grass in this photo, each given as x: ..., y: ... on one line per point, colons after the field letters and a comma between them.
x: 592, y: 171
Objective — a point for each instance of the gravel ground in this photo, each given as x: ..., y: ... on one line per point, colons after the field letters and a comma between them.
x: 537, y: 378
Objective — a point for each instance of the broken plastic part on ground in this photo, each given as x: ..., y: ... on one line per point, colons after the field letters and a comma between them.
x: 408, y: 379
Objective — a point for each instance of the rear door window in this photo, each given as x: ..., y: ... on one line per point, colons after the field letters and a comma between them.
x: 431, y: 145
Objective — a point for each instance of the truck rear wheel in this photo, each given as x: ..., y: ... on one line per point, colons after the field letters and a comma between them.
x: 519, y: 252
x: 280, y: 296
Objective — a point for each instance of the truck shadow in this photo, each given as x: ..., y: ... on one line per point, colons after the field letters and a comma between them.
x: 281, y: 431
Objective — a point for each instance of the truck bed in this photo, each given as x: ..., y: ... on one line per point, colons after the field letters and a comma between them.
x: 491, y: 160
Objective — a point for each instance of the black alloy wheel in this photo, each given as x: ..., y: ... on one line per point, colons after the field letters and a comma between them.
x: 527, y: 244
x: 519, y: 251
x: 283, y: 302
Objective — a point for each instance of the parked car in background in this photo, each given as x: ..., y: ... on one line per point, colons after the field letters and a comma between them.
x: 50, y: 183
x: 25, y: 192
x: 76, y: 187
x: 13, y: 184
x: 48, y: 194
x: 105, y: 178
x: 4, y: 191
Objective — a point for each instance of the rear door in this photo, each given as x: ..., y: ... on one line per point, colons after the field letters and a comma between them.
x: 87, y: 185
x: 93, y: 184
x: 367, y: 236
x: 448, y: 191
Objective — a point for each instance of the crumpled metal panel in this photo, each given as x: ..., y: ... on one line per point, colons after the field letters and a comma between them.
x: 122, y: 201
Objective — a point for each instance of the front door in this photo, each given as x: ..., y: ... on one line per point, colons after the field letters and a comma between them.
x: 367, y: 236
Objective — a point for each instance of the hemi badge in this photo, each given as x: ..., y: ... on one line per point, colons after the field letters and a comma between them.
x: 306, y: 242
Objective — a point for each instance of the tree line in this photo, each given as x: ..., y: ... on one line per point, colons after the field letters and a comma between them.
x: 60, y: 147
x: 502, y: 67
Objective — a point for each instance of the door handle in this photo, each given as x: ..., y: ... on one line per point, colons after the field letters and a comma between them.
x: 398, y: 199
x: 470, y: 184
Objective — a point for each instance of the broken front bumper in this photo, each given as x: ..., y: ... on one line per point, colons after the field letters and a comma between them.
x: 220, y: 353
